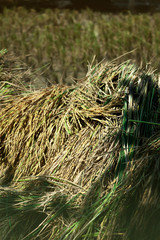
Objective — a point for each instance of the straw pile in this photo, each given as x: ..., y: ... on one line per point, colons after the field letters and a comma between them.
x: 83, y: 162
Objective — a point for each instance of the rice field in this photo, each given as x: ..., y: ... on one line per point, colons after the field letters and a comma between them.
x: 79, y: 136
x: 58, y: 44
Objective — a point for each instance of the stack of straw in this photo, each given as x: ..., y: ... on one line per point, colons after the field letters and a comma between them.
x: 83, y: 162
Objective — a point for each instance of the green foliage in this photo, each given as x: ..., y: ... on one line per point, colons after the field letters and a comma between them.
x: 2, y: 52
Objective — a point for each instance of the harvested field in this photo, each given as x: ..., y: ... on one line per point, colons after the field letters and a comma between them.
x: 83, y: 162
x: 59, y: 43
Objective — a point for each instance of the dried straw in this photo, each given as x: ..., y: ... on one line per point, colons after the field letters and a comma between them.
x: 87, y: 149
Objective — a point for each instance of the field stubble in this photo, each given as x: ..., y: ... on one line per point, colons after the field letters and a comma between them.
x: 61, y: 42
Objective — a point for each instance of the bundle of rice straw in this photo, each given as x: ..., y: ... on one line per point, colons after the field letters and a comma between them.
x: 83, y: 162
